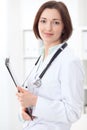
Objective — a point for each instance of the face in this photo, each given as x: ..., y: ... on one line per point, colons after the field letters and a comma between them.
x: 50, y: 27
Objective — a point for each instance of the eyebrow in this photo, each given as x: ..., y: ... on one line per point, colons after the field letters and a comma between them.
x: 52, y: 19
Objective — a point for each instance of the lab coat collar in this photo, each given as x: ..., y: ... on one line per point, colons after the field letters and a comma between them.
x: 51, y: 49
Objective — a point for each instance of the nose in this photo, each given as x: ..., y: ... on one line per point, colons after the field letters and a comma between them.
x: 48, y: 26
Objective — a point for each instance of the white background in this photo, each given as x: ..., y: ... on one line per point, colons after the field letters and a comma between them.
x: 16, y: 16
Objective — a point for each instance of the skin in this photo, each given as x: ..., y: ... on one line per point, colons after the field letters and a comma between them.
x: 50, y: 28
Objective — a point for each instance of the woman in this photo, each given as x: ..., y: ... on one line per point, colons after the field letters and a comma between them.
x: 55, y: 87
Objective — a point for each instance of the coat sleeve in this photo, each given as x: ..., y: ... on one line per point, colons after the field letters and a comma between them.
x: 69, y: 108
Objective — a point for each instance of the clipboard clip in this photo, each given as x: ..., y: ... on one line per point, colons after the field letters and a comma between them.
x: 7, y: 62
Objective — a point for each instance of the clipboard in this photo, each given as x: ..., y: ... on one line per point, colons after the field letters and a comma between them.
x: 7, y: 64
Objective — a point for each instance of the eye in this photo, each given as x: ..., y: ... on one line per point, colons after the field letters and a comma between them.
x: 56, y: 22
x: 43, y: 21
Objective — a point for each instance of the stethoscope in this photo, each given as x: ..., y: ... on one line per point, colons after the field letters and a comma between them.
x: 37, y: 81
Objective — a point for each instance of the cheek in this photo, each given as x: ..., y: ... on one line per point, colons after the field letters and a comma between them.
x: 59, y: 31
x: 39, y: 29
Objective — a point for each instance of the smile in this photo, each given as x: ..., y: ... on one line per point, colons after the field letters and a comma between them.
x: 48, y: 34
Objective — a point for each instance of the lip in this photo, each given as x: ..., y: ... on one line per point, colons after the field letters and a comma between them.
x: 48, y: 34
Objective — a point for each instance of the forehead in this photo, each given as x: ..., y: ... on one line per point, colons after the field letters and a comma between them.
x: 51, y: 14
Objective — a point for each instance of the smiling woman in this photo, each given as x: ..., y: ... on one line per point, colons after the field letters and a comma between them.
x: 62, y: 14
x: 50, y: 27
x: 57, y: 101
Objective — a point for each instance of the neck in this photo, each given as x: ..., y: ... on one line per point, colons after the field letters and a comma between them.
x: 47, y: 46
x: 46, y: 51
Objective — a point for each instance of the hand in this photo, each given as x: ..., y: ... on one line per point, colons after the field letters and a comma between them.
x: 26, y: 98
x: 25, y: 116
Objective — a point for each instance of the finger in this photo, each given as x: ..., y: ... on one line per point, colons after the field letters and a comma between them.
x: 26, y: 116
x: 20, y: 89
x: 19, y: 97
x: 19, y: 94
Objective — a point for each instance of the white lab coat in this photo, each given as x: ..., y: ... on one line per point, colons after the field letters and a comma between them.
x: 60, y: 97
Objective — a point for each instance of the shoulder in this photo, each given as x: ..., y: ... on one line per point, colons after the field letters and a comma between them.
x: 68, y: 59
x: 70, y: 62
x: 68, y: 55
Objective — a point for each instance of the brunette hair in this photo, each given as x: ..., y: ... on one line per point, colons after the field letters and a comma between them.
x: 62, y: 9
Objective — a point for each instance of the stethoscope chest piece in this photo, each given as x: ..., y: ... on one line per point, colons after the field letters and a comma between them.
x: 37, y: 82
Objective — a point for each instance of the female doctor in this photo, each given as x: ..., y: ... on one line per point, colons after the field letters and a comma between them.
x: 54, y: 94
